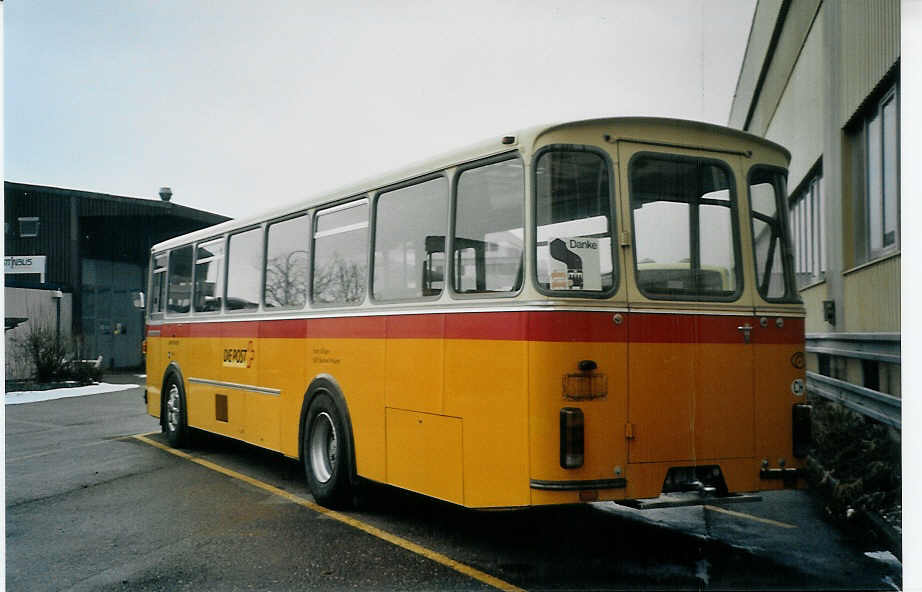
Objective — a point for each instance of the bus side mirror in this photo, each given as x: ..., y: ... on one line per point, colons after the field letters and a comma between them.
x: 137, y: 299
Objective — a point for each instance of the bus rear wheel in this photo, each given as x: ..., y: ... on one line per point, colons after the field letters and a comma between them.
x: 326, y: 462
x: 174, y: 414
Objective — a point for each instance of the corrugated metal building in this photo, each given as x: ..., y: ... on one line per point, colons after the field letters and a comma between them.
x: 823, y: 79
x: 89, y: 251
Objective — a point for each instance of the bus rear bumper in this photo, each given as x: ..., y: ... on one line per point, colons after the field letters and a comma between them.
x: 687, y: 498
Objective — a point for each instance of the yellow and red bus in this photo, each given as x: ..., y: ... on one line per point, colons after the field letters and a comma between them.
x: 595, y: 310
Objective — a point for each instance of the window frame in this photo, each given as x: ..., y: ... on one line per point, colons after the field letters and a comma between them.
x: 617, y: 272
x: 736, y: 230
x: 783, y: 212
x: 877, y: 111
x: 28, y: 219
x: 373, y: 232
x: 812, y: 184
x: 227, y: 246
x: 309, y: 215
x: 340, y: 205
x: 453, y: 215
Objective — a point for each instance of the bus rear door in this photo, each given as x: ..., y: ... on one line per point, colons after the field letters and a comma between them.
x: 690, y: 378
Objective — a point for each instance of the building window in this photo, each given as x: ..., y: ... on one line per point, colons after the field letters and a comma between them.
x: 808, y: 231
x: 28, y: 227
x: 875, y: 153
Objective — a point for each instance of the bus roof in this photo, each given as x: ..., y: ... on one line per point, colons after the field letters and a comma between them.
x: 523, y: 139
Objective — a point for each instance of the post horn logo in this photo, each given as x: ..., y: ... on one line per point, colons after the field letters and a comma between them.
x: 251, y: 353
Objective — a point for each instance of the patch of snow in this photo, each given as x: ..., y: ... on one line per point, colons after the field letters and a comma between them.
x: 701, y: 571
x: 889, y: 581
x: 17, y: 398
x: 885, y: 557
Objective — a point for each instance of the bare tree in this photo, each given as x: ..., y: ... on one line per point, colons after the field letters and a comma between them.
x: 286, y: 279
x: 340, y: 280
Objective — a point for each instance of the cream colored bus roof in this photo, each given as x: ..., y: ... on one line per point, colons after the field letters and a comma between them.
x: 524, y: 140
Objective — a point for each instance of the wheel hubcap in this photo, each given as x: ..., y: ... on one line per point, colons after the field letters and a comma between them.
x: 172, y: 408
x: 323, y: 447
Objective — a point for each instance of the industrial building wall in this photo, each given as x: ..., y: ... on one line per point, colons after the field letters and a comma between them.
x: 870, y: 37
x: 54, y: 213
x: 797, y: 123
x: 38, y: 306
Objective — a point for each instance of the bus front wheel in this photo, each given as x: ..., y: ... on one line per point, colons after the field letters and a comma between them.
x: 174, y: 414
x: 326, y: 462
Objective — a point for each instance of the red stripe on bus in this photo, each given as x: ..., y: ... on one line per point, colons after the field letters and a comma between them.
x: 791, y: 331
x: 418, y: 326
x: 673, y: 328
x: 347, y: 328
x: 576, y: 326
x: 558, y: 326
x: 491, y: 325
x: 284, y: 329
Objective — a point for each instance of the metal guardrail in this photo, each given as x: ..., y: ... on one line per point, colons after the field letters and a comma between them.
x: 878, y: 347
x: 880, y: 406
x: 881, y: 347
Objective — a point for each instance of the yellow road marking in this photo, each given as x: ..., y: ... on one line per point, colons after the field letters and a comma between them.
x: 372, y: 530
x: 57, y: 451
x: 751, y: 517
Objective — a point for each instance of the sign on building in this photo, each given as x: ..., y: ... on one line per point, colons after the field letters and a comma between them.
x: 25, y: 264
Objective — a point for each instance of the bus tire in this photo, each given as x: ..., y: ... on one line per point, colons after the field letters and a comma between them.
x: 326, y: 458
x: 174, y: 414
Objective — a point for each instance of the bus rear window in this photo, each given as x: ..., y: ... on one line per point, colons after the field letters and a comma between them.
x: 574, y: 248
x: 772, y: 250
x: 685, y: 231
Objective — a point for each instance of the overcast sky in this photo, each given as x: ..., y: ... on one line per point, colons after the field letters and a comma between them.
x: 240, y: 105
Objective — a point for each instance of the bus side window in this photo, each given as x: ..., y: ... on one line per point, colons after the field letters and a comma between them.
x: 158, y: 284
x: 209, y: 275
x: 340, y: 272
x: 179, y: 295
x: 244, y: 262
x: 408, y: 262
x: 286, y: 263
x: 489, y: 223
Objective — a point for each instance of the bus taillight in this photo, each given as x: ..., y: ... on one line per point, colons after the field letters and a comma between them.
x: 571, y: 437
x: 802, y: 429
x: 143, y: 347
